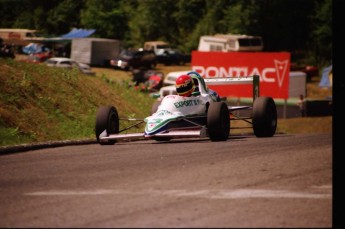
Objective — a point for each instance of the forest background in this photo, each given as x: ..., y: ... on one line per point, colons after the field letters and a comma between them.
x: 301, y: 27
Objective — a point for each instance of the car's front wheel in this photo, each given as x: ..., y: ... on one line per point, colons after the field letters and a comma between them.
x: 107, y: 122
x: 218, y: 121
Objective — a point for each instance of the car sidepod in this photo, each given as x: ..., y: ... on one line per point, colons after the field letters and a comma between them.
x: 264, y: 117
x: 218, y: 121
x: 107, y: 122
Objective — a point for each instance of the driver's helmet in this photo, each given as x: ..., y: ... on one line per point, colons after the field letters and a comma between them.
x: 184, y: 85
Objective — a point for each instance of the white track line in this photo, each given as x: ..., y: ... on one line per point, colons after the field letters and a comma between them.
x: 209, y: 194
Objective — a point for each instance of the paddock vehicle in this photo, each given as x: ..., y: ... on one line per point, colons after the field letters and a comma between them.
x: 131, y: 59
x: 173, y: 57
x: 203, y: 115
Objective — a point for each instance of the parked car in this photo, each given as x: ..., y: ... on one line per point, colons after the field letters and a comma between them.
x: 86, y: 69
x: 311, y: 71
x: 130, y: 59
x: 6, y: 51
x: 38, y: 57
x: 63, y: 62
x: 173, y: 57
x: 147, y: 81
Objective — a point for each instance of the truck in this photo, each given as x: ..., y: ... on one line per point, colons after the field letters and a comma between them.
x: 230, y: 43
x: 95, y: 51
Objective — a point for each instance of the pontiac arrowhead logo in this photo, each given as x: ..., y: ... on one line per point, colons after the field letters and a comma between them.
x: 281, y: 69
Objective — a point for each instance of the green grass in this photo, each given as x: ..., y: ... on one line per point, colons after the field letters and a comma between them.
x: 39, y: 103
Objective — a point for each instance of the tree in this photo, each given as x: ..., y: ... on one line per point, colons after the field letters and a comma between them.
x: 242, y: 17
x: 109, y: 20
x: 322, y: 31
x: 152, y: 20
x: 203, y: 20
x: 65, y: 16
x: 286, y: 25
x: 187, y: 17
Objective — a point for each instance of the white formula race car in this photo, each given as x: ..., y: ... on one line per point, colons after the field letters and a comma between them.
x: 203, y: 114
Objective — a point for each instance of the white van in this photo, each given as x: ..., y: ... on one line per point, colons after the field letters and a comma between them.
x: 169, y: 83
x: 171, y: 77
x: 158, y: 47
x: 167, y: 90
x: 230, y: 43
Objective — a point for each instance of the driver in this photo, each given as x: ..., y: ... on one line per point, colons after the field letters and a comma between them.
x: 184, y: 85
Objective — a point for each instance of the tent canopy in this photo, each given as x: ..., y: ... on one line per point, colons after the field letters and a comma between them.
x: 66, y: 38
x: 326, y: 79
x: 78, y: 33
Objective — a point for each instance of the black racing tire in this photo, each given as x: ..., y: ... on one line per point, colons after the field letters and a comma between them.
x: 162, y: 139
x: 218, y: 121
x: 155, y: 106
x: 107, y: 119
x: 264, y: 117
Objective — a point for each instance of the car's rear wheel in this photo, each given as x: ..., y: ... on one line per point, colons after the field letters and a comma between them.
x: 107, y: 119
x: 264, y: 117
x: 218, y: 121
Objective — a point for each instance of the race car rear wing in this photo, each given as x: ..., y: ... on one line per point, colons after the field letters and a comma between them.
x: 255, y: 80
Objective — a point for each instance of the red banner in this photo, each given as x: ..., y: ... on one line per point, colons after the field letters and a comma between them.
x: 272, y: 67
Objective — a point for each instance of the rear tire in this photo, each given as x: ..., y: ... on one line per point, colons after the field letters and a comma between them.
x: 107, y: 119
x: 218, y: 121
x: 264, y: 117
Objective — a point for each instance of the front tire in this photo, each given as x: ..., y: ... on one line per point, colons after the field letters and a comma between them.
x: 264, y: 117
x: 218, y: 121
x: 107, y: 119
x: 162, y: 139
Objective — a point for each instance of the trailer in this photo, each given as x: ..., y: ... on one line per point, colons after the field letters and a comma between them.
x: 230, y: 43
x: 94, y: 51
x: 19, y: 37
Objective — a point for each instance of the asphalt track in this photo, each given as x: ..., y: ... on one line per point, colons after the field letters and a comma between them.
x: 283, y: 181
